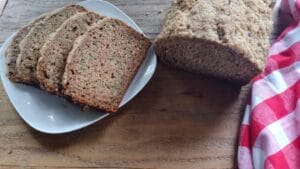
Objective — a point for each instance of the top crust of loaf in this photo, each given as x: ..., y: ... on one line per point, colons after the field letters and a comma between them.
x: 51, y: 64
x: 242, y: 25
x: 102, y: 64
x: 30, y: 46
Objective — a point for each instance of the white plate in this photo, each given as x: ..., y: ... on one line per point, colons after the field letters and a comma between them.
x: 51, y: 114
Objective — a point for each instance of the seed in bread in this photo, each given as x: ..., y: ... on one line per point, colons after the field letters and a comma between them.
x: 30, y: 46
x: 102, y: 64
x: 51, y: 64
x: 224, y: 39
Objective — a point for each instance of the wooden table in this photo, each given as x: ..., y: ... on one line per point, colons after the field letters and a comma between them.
x: 179, y: 120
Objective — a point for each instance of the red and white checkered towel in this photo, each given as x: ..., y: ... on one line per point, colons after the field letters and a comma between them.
x: 270, y: 131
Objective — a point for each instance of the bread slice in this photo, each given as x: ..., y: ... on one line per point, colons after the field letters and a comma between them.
x: 224, y: 39
x: 13, y: 50
x: 102, y: 64
x: 30, y: 46
x: 54, y: 53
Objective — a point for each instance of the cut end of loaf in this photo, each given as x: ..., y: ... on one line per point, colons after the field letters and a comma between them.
x: 206, y: 57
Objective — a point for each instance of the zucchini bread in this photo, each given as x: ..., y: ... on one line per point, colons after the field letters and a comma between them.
x: 79, y: 55
x: 30, y: 46
x: 13, y: 50
x: 54, y: 53
x: 224, y: 39
x: 102, y: 64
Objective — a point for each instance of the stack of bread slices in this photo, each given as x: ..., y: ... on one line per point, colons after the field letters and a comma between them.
x: 78, y: 54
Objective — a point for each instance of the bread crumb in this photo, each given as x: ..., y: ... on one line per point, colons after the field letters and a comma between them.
x: 64, y: 104
x: 86, y: 108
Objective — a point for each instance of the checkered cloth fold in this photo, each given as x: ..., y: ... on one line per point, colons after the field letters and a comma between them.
x: 270, y: 131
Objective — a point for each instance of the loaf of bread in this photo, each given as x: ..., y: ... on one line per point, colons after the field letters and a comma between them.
x: 102, y: 64
x: 224, y: 39
x: 51, y: 64
x: 30, y: 46
x: 13, y: 50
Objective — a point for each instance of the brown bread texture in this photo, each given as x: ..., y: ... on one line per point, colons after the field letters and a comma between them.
x: 102, y: 64
x: 224, y: 39
x: 30, y: 46
x: 13, y: 50
x: 51, y: 64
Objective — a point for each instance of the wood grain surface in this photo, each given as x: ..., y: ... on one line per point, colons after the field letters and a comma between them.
x: 179, y: 121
